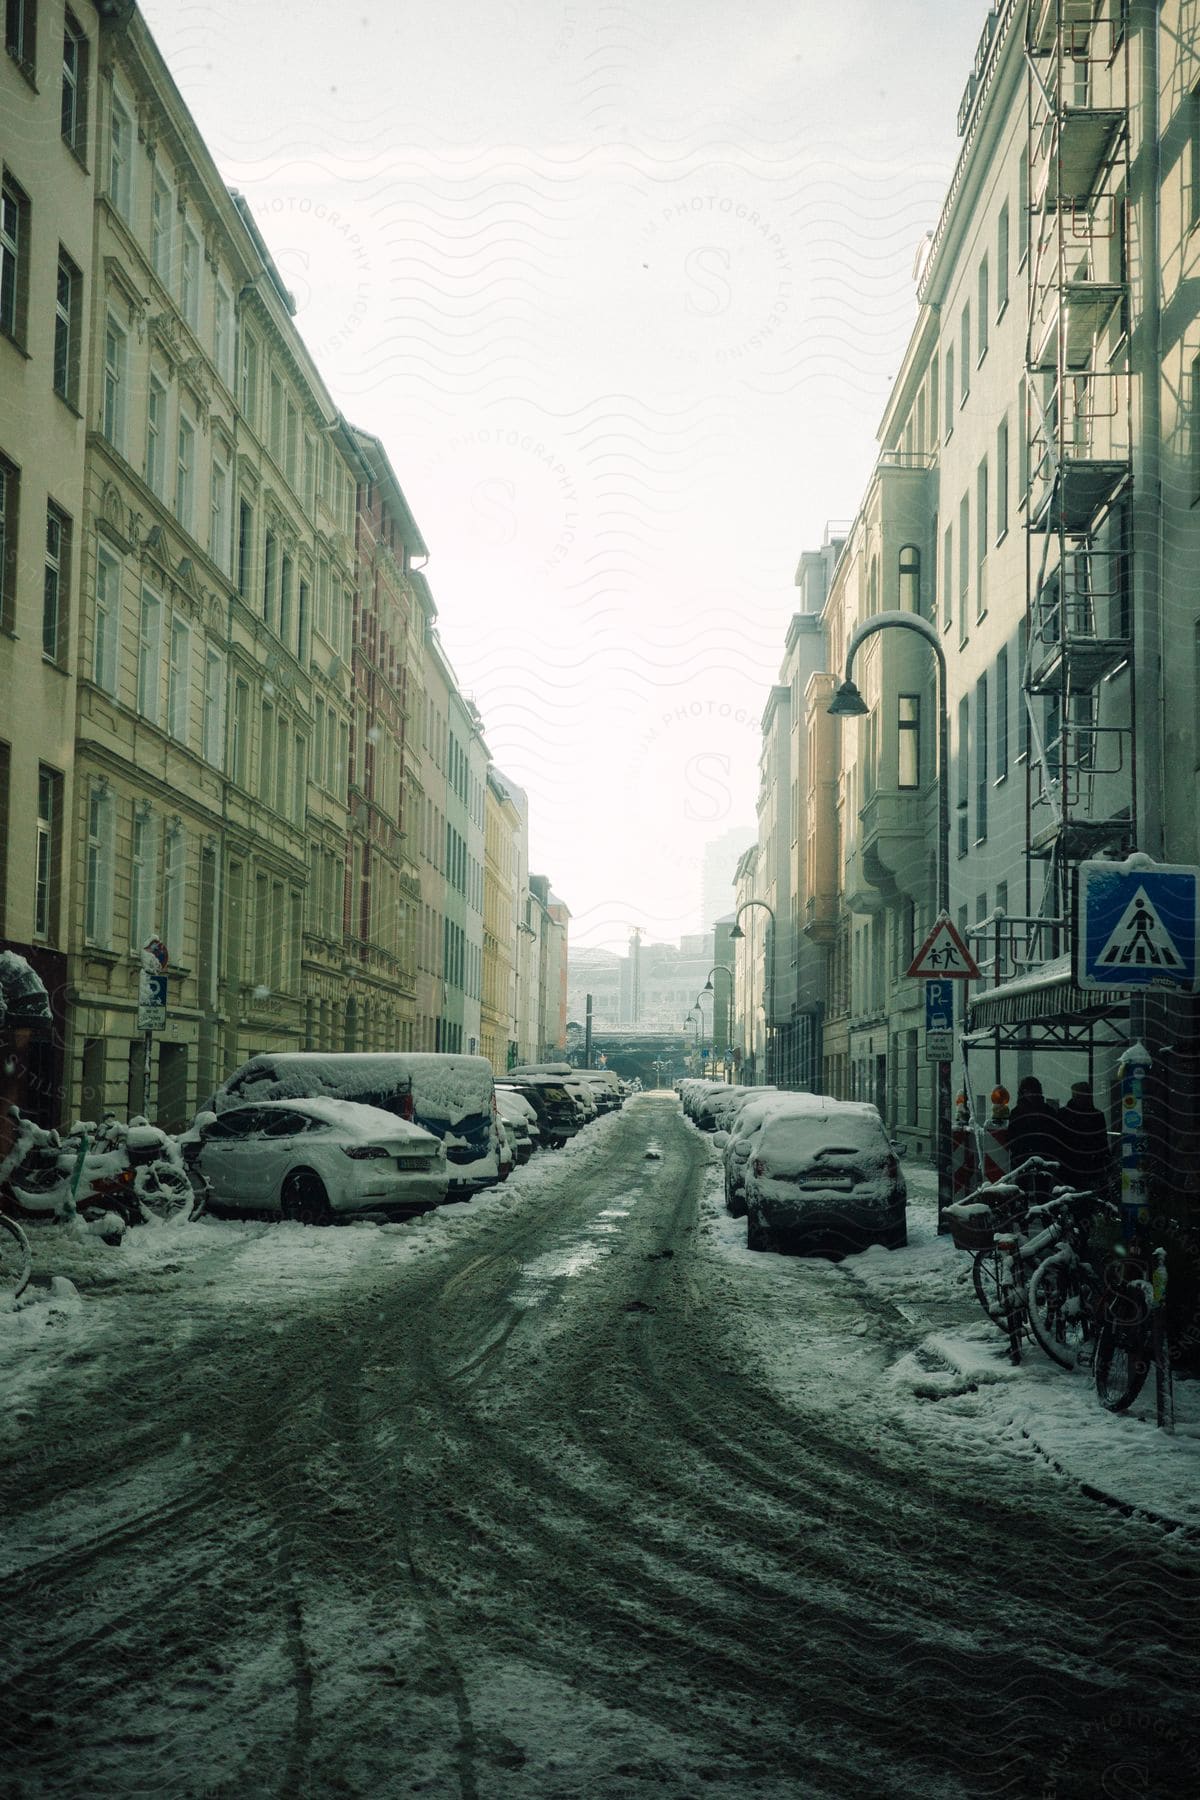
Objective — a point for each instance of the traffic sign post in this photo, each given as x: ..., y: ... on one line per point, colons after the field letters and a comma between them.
x: 152, y: 1005
x: 944, y: 956
x: 939, y: 1021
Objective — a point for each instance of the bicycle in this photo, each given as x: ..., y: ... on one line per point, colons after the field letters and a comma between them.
x: 16, y: 1259
x: 1131, y: 1334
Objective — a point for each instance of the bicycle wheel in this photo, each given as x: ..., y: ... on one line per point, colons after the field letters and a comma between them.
x: 1124, y: 1347
x: 16, y: 1262
x: 1062, y: 1307
x: 164, y: 1191
x: 985, y: 1278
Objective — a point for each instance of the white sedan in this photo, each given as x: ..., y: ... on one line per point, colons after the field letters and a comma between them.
x: 315, y: 1160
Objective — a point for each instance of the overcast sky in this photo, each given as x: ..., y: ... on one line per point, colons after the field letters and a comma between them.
x: 622, y: 290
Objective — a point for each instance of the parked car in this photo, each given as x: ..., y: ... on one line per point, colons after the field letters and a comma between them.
x: 757, y: 1104
x: 519, y: 1121
x: 315, y: 1160
x: 716, y: 1110
x: 454, y: 1097
x: 824, y: 1180
x: 558, y: 1115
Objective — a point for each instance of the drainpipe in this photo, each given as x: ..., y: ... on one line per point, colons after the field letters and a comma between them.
x: 1148, y: 526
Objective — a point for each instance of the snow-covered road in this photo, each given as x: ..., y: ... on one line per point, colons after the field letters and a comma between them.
x: 565, y: 1493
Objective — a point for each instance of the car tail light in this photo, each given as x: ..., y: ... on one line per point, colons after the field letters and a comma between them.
x: 760, y: 1167
x: 406, y: 1106
x: 362, y: 1151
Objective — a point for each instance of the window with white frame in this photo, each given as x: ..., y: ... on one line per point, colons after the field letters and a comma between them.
x: 185, y: 471
x: 189, y: 277
x: 106, y: 616
x: 120, y: 158
x: 223, y: 332
x: 908, y: 741
x: 175, y: 890
x: 149, y: 655
x: 68, y: 300
x: 115, y: 352
x: 220, y: 534
x: 1002, y: 259
x: 20, y: 35
x: 179, y: 679
x: 984, y: 311
x: 162, y: 210
x: 213, y: 727
x: 98, y: 867
x: 156, y: 428
x: 1002, y: 478
x: 47, y: 863
x: 143, y: 884
x: 14, y: 259
x: 55, y: 581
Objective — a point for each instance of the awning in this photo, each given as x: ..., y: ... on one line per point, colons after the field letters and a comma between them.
x: 1042, y: 994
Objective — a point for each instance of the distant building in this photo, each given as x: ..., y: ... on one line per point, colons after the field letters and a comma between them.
x: 719, y: 870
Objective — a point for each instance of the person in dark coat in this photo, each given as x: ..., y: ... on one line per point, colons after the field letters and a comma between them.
x: 1033, y: 1131
x: 1083, y: 1139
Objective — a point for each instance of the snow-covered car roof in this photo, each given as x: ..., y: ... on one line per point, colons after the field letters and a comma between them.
x: 352, y: 1118
x: 854, y: 1124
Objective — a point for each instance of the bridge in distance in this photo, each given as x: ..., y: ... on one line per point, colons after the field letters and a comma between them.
x: 656, y: 1058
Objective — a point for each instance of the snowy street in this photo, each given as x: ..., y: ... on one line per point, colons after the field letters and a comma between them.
x: 564, y: 1493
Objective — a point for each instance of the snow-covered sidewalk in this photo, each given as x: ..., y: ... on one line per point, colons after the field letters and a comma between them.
x: 957, y: 1380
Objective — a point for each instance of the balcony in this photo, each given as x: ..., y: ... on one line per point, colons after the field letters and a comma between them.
x: 820, y: 918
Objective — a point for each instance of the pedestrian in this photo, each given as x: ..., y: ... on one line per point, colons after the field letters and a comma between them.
x: 1033, y: 1131
x: 1083, y: 1141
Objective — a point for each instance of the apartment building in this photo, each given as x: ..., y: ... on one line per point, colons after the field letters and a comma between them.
x: 387, y: 655
x: 497, y: 1015
x: 1032, y: 519
x: 50, y: 149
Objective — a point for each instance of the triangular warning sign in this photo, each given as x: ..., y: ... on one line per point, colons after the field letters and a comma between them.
x: 1140, y: 940
x: 944, y: 954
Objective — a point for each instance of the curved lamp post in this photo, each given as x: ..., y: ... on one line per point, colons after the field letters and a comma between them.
x: 848, y: 703
x: 736, y: 936
x: 708, y: 988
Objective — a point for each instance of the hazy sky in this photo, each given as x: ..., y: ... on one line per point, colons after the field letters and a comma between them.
x: 622, y: 289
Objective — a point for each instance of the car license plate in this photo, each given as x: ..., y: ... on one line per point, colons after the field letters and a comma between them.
x: 412, y: 1162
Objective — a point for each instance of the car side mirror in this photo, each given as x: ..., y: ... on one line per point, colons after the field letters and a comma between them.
x: 898, y: 1152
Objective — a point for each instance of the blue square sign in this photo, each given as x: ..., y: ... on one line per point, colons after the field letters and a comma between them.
x: 1138, y: 925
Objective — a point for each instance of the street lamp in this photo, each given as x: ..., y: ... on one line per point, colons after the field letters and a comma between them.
x: 708, y: 988
x: 848, y: 703
x: 689, y: 1018
x: 735, y: 936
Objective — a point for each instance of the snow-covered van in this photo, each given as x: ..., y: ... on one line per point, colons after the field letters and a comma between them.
x: 452, y: 1096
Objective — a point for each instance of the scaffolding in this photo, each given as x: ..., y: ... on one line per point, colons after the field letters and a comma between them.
x: 1077, y: 687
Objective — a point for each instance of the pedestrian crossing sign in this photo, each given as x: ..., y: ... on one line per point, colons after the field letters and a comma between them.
x: 1137, y: 925
x: 944, y: 955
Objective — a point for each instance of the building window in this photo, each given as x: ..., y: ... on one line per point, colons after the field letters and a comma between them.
x: 948, y: 396
x: 174, y: 886
x: 161, y: 210
x: 1024, y: 723
x: 1002, y: 705
x: 981, y: 538
x: 239, y: 731
x: 1002, y: 479
x: 149, y: 655
x: 249, y: 381
x: 910, y: 578
x: 982, y: 771
x: 245, y: 547
x: 55, y: 582
x: 285, y: 598
x: 97, y: 902
x: 47, y: 866
x: 301, y: 620
x: 223, y: 333
x: 20, y: 35
x: 68, y: 295
x: 14, y: 259
x: 156, y: 416
x: 143, y: 889
x: 178, y: 679
x: 114, y: 384
x: 964, y: 354
x: 218, y: 516
x: 120, y: 148
x: 10, y: 494
x: 1002, y: 255
x: 275, y: 419
x: 107, y: 614
x: 189, y: 278
x: 270, y: 575
x: 74, y: 86
x: 908, y: 741
x: 185, y: 471
x: 299, y: 779
x: 964, y: 564
x: 984, y: 310
x: 213, y: 728
x: 1023, y: 208
x: 963, y: 783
